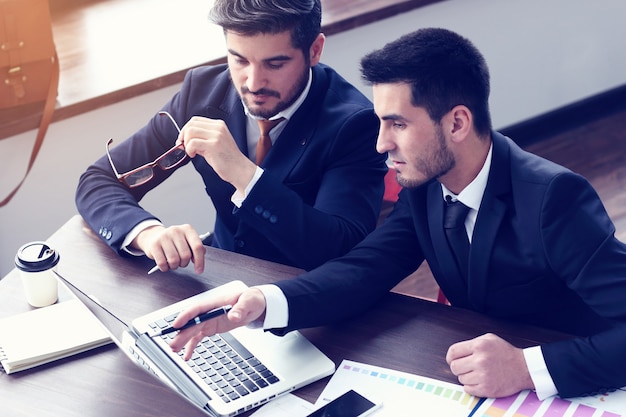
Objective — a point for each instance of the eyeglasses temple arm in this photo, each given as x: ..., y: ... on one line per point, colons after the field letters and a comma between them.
x: 164, y: 113
x: 117, y: 174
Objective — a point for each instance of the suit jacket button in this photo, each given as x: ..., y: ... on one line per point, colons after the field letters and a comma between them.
x: 266, y: 214
x: 258, y: 209
x: 273, y: 219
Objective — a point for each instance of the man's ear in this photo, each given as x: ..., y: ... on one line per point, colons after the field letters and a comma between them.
x: 460, y: 122
x: 315, y: 52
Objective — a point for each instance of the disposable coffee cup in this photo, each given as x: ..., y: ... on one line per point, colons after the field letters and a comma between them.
x: 36, y: 262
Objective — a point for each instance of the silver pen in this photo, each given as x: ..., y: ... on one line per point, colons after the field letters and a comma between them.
x: 196, y: 320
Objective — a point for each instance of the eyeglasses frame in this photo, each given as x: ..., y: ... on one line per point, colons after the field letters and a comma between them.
x: 151, y: 165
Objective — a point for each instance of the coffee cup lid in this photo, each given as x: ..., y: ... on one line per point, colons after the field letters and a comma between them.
x: 36, y: 257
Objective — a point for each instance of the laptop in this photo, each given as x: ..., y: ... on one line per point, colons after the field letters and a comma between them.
x: 229, y: 373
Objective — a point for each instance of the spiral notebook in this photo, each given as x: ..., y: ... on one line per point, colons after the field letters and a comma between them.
x: 47, y: 334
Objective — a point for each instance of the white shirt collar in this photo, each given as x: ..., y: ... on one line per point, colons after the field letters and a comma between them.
x: 472, y: 195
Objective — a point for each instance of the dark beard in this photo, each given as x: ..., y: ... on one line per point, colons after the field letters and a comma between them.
x: 439, y: 164
x: 292, y: 94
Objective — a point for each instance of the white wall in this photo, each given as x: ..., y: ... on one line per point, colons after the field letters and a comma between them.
x: 543, y: 54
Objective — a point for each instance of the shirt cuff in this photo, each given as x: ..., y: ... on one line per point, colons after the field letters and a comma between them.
x: 544, y: 385
x: 237, y: 198
x: 276, y: 307
x: 133, y: 234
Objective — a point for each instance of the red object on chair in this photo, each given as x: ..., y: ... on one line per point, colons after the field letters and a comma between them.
x: 392, y: 188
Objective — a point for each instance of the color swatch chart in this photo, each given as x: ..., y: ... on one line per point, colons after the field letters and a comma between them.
x: 400, y: 392
x: 526, y: 404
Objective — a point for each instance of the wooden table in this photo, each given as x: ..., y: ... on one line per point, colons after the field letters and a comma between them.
x: 402, y: 333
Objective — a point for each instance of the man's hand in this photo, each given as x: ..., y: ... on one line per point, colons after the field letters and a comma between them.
x: 172, y: 247
x: 489, y: 366
x: 248, y: 306
x: 212, y: 139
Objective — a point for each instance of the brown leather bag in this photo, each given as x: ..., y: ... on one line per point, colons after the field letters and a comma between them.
x: 29, y: 66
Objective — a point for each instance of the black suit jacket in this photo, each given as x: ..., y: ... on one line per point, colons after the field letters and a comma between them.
x: 543, y: 252
x: 320, y: 194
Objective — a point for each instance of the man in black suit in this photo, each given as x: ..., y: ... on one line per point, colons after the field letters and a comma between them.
x: 310, y: 198
x: 542, y: 251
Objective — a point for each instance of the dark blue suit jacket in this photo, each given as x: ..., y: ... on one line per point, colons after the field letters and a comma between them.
x: 320, y: 194
x: 543, y: 252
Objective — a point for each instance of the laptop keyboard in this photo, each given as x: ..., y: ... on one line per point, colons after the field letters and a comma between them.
x: 224, y: 364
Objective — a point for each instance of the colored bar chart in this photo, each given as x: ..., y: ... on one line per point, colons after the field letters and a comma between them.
x: 429, y: 397
x: 526, y: 404
x: 400, y: 391
x: 430, y: 386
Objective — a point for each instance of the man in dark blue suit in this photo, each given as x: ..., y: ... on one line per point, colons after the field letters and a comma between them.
x: 310, y: 198
x: 542, y: 249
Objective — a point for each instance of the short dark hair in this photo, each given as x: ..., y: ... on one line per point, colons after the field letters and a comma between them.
x: 251, y: 17
x: 443, y: 68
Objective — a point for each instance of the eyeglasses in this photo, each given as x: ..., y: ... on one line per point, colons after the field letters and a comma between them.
x: 144, y: 173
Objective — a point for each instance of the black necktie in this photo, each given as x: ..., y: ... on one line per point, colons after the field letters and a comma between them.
x: 454, y: 226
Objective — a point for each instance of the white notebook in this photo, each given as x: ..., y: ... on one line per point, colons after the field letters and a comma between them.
x: 46, y: 334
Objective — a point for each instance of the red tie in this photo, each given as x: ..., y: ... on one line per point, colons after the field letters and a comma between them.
x: 265, y: 143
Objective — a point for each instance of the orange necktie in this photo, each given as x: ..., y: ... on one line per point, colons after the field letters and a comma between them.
x: 265, y: 143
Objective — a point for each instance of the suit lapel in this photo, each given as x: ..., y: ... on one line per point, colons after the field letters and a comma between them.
x: 300, y: 129
x: 454, y: 285
x: 289, y: 147
x: 493, y: 207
